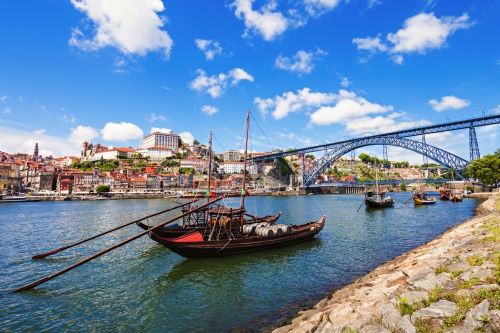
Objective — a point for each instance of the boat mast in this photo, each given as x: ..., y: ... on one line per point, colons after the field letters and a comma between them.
x: 244, y: 192
x: 209, y: 165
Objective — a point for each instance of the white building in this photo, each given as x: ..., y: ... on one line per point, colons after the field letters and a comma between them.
x: 155, y: 153
x: 158, y: 139
x: 111, y: 154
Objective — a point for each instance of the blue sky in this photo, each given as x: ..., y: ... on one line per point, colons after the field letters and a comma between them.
x: 311, y: 71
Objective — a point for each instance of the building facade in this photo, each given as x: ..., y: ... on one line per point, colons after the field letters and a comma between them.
x: 158, y: 139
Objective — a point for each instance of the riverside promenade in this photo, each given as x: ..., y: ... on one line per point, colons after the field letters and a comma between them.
x: 450, y: 284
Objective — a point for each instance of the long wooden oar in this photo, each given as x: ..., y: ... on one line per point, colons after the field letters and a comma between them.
x: 361, y: 205
x: 46, y: 254
x: 50, y: 277
x: 414, y: 194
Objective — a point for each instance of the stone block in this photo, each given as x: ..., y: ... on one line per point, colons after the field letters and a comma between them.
x: 404, y: 325
x: 390, y: 315
x: 413, y: 297
x: 436, y: 312
x: 374, y: 329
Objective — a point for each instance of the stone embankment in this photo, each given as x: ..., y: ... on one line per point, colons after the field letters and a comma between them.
x: 450, y: 284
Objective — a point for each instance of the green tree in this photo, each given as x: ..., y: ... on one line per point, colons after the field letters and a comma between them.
x: 187, y: 171
x: 311, y: 156
x: 102, y: 189
x: 402, y: 187
x: 365, y: 158
x: 486, y: 169
x: 196, y: 142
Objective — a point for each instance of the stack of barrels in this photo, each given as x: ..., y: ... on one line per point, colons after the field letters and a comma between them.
x: 266, y: 229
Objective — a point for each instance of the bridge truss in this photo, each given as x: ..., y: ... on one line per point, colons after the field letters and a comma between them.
x: 393, y: 139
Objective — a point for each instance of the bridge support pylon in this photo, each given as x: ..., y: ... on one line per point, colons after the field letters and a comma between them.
x: 473, y: 145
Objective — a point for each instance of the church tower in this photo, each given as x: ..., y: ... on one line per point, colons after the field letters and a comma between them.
x: 35, y: 154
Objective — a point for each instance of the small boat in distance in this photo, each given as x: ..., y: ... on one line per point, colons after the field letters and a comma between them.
x: 377, y: 199
x: 18, y: 198
x: 421, y: 198
x: 444, y: 194
x: 456, y: 196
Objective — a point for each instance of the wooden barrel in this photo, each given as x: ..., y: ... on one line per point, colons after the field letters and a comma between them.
x: 286, y: 229
x: 276, y: 230
x: 249, y: 229
x: 264, y: 231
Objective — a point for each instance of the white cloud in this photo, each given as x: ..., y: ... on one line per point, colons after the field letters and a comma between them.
x: 20, y: 98
x: 161, y: 130
x: 265, y: 21
x: 496, y: 110
x: 187, y: 137
x: 3, y: 98
x: 448, y: 102
x: 380, y: 124
x: 121, y: 132
x: 13, y: 141
x: 300, y: 62
x: 40, y: 131
x: 397, y: 58
x: 209, y: 47
x: 317, y: 7
x: 370, y: 44
x: 67, y: 119
x: 209, y: 110
x: 291, y: 102
x: 348, y: 106
x: 345, y: 82
x: 425, y: 31
x: 216, y: 85
x: 373, y: 3
x: 80, y: 134
x: 420, y: 33
x: 6, y: 111
x: 155, y: 117
x: 289, y: 135
x: 131, y: 26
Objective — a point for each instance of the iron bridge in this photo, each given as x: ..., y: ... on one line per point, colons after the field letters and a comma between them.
x: 337, y: 149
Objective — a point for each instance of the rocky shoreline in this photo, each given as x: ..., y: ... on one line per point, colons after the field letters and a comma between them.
x: 450, y: 284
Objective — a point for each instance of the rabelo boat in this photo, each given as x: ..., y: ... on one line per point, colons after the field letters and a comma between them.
x: 226, y: 231
x: 377, y: 199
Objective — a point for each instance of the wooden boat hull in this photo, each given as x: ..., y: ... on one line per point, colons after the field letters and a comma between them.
x: 456, y: 199
x: 444, y: 195
x: 174, y: 232
x: 418, y: 201
x: 379, y: 204
x: 202, y: 249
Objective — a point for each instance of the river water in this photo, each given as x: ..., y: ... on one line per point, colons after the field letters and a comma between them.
x: 142, y: 286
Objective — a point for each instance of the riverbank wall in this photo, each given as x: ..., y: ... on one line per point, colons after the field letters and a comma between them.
x: 450, y: 284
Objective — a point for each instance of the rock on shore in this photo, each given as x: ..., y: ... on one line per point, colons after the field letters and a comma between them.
x: 451, y: 284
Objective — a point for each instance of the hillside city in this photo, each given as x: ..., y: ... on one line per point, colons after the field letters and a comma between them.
x: 165, y: 162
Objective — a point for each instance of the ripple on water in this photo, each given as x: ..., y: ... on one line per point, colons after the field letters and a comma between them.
x: 144, y: 287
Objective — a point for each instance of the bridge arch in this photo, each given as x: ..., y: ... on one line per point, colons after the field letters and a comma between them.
x: 434, y: 153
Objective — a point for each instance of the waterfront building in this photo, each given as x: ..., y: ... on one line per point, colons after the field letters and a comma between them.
x: 4, y: 176
x: 152, y: 181
x: 138, y: 183
x: 158, y: 139
x: 83, y: 181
